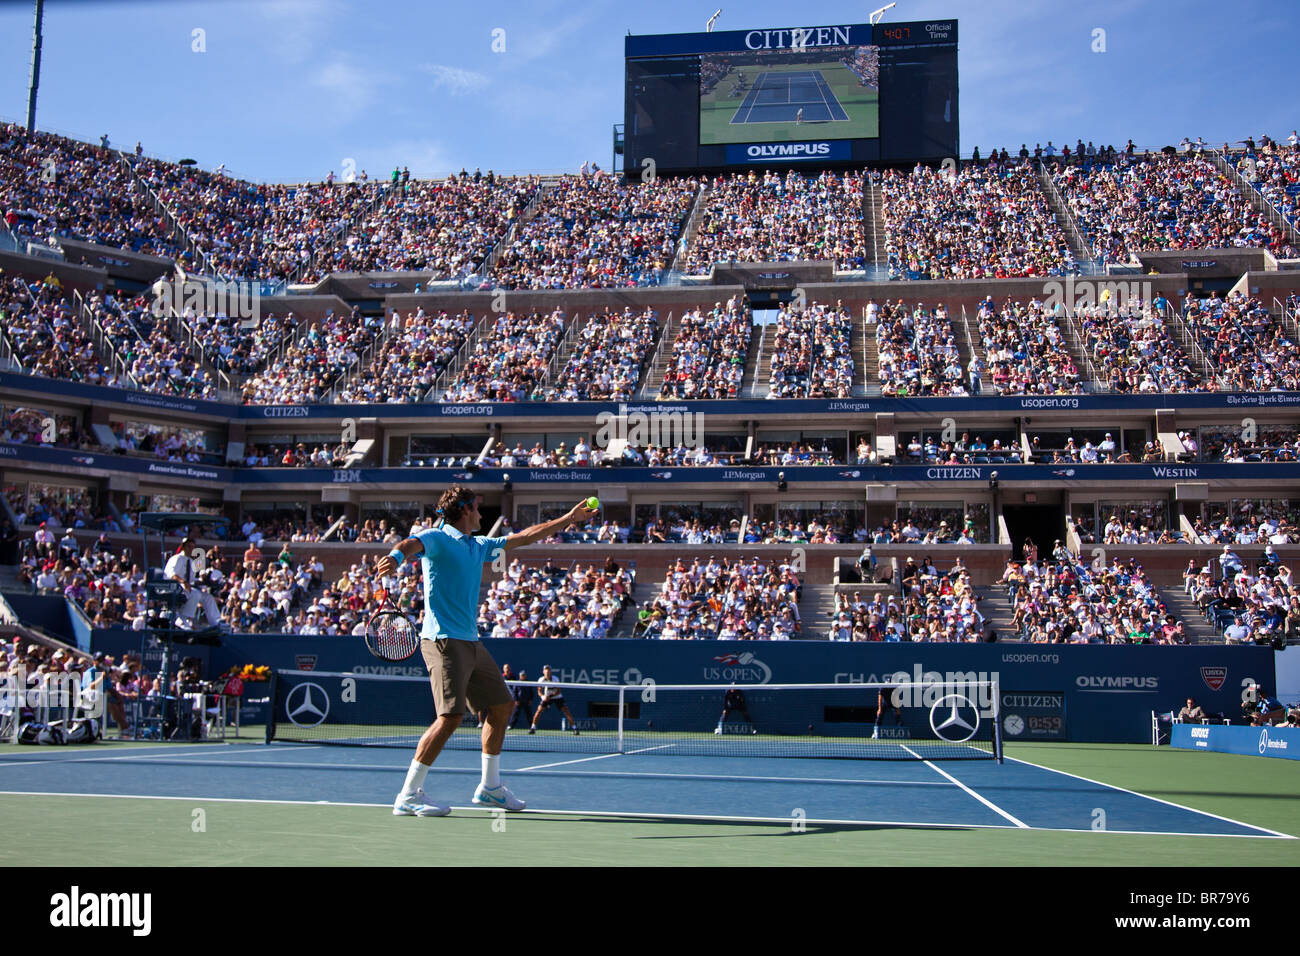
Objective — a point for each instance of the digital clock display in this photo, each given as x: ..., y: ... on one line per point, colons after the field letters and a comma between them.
x: 897, y: 33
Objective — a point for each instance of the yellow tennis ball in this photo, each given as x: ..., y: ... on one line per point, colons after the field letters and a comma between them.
x: 593, y: 503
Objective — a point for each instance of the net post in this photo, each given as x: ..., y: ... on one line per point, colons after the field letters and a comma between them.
x: 270, y: 718
x: 622, y: 710
x: 997, y: 723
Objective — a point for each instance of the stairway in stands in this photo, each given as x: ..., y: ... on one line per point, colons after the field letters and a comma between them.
x: 1056, y: 202
x: 996, y: 608
x: 873, y: 216
x: 654, y: 374
x: 1199, y: 630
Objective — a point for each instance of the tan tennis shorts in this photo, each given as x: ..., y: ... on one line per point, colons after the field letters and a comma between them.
x: 464, y: 676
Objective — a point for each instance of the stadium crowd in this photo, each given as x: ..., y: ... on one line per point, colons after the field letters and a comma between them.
x: 708, y: 354
x: 812, y: 353
x: 447, y: 227
x: 987, y: 221
x: 594, y: 232
x: 726, y: 601
x: 510, y: 359
x: 769, y: 217
x: 1061, y: 600
x: 935, y: 607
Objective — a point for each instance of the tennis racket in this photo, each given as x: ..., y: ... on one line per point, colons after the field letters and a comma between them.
x: 390, y: 634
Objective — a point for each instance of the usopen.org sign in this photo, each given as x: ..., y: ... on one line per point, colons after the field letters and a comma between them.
x: 778, y: 152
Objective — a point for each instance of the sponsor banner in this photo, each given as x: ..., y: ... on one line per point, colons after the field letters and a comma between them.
x: 1033, y: 715
x: 1254, y: 741
x: 1104, y: 717
x: 978, y: 474
x: 776, y: 152
x: 802, y: 407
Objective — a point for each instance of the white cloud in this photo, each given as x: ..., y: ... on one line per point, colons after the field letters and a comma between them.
x: 350, y: 88
x: 455, y: 80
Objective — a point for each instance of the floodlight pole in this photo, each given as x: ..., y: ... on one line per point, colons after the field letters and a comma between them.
x: 708, y: 27
x: 878, y: 15
x: 36, y: 66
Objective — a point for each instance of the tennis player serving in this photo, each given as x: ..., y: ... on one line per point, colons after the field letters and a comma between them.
x: 461, y: 670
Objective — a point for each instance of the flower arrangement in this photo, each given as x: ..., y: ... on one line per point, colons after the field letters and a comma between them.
x: 254, y: 672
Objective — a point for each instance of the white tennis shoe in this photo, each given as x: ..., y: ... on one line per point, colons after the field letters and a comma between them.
x: 499, y: 797
x: 418, y: 804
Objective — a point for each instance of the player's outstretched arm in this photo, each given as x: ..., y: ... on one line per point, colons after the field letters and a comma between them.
x: 410, y: 548
x: 578, y: 514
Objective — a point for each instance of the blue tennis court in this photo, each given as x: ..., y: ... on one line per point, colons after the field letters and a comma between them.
x: 1016, y: 795
x: 780, y: 97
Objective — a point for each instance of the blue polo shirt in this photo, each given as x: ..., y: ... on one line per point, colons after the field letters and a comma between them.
x: 453, y: 571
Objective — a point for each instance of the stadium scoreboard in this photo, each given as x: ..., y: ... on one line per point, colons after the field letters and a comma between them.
x: 829, y: 95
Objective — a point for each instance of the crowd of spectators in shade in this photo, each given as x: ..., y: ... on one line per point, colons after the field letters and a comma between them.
x: 812, y: 355
x: 295, y: 455
x: 554, y: 602
x: 1249, y: 604
x: 726, y: 601
x: 1247, y: 349
x: 162, y: 442
x: 1087, y: 452
x: 608, y: 355
x: 1025, y: 351
x: 1266, y: 443
x: 917, y: 350
x: 309, y: 367
x: 418, y: 349
x: 819, y: 529
x: 762, y: 217
x: 979, y: 222
x: 792, y: 453
x: 1062, y: 600
x: 1139, y: 527
x: 54, y: 188
x: 447, y: 227
x: 1249, y: 521
x: 595, y: 231
x: 70, y: 509
x: 708, y: 354
x: 1163, y: 201
x: 935, y: 607
x: 510, y: 359
x: 925, y: 526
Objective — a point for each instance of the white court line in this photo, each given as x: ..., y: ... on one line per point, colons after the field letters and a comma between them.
x: 1170, y: 803
x: 620, y: 814
x: 73, y: 759
x: 536, y: 812
x: 988, y: 803
x: 561, y: 763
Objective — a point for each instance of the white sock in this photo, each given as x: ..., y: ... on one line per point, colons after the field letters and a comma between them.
x: 415, y: 776
x: 491, y: 771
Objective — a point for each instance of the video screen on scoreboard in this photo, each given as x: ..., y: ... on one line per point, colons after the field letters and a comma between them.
x: 847, y: 94
x: 780, y: 96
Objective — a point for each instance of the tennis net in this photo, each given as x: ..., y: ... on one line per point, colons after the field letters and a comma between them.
x: 929, y: 721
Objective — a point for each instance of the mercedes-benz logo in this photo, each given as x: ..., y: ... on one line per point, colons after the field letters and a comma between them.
x: 956, y: 721
x: 308, y: 703
x: 1263, y: 740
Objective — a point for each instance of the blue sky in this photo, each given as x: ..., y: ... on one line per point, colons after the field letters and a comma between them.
x: 289, y: 89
